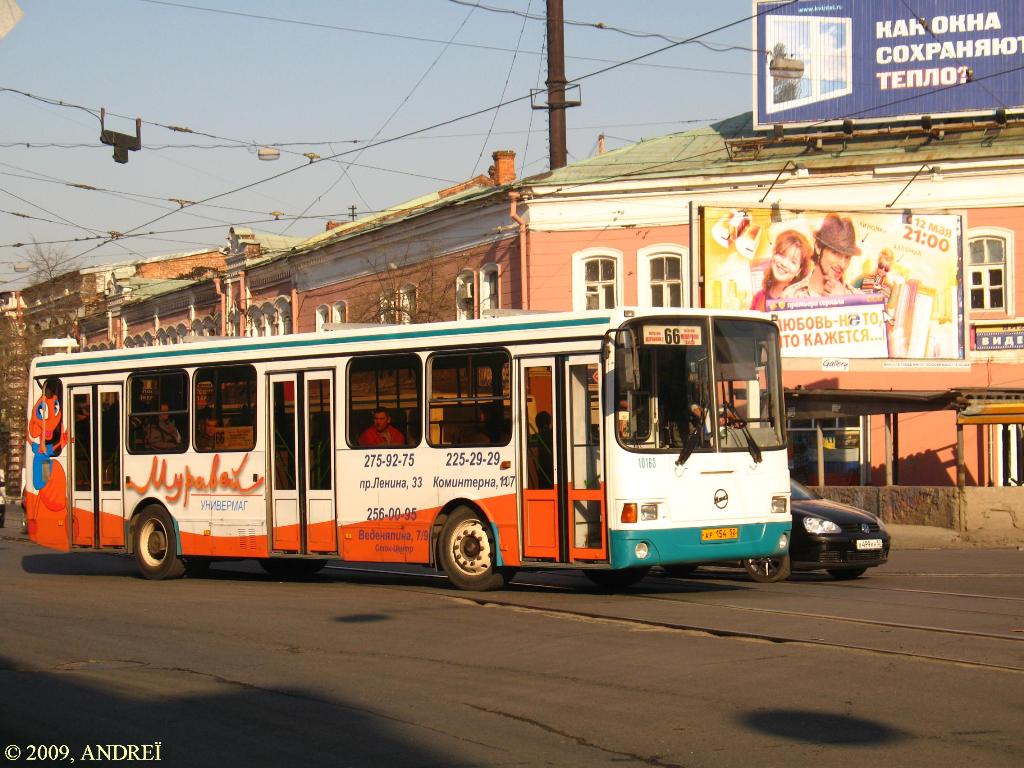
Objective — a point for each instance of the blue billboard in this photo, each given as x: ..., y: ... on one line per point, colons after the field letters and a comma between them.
x: 825, y: 61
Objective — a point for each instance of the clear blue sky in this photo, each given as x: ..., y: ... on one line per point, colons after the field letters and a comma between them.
x: 351, y: 71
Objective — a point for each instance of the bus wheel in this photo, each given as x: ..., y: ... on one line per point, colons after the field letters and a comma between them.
x: 614, y: 580
x: 291, y: 568
x: 767, y: 570
x: 468, y: 553
x: 156, y: 546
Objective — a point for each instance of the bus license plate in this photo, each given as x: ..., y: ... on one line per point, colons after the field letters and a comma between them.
x: 719, y: 534
x: 869, y: 543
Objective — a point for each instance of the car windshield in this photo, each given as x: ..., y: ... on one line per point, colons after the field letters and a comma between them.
x: 800, y: 492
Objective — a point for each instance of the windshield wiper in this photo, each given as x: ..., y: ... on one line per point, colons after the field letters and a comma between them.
x: 696, y: 436
x: 737, y: 422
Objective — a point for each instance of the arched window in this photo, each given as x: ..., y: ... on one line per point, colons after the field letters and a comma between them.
x: 661, y: 276
x: 161, y: 337
x: 489, y: 295
x: 182, y: 332
x: 464, y: 295
x: 339, y: 312
x: 321, y: 317
x: 282, y: 316
x: 596, y: 280
x: 407, y: 303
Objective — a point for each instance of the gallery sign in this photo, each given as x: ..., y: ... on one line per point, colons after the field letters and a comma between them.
x: 841, y: 285
x: 823, y: 61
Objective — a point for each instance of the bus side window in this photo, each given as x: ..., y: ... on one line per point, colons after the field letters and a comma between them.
x: 469, y: 399
x: 384, y: 401
x: 224, y: 408
x: 158, y: 412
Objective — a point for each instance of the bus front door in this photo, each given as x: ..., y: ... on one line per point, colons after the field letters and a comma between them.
x: 563, y: 510
x: 97, y: 507
x: 301, y: 458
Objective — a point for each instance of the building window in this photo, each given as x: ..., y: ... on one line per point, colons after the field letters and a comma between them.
x: 666, y: 282
x: 986, y: 273
x: 489, y: 295
x: 464, y: 295
x: 407, y: 304
x: 339, y: 312
x: 321, y: 317
x: 388, y: 307
x: 599, y: 274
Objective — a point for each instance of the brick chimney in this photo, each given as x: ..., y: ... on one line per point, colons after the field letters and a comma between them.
x: 331, y: 224
x: 504, y: 169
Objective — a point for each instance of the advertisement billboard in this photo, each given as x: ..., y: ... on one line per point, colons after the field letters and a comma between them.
x: 841, y: 285
x: 823, y: 61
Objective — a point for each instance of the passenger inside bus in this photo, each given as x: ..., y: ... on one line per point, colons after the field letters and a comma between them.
x: 542, y: 462
x: 162, y: 434
x: 381, y: 432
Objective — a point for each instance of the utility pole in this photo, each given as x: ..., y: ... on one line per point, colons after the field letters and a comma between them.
x: 556, y: 86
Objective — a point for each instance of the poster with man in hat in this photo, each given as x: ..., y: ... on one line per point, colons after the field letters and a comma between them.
x: 818, y: 273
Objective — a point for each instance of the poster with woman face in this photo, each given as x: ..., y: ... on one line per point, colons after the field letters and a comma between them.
x: 857, y: 285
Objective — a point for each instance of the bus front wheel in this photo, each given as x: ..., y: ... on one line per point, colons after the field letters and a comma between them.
x: 156, y: 549
x: 468, y: 553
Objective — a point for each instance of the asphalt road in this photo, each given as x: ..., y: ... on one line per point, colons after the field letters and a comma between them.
x: 920, y: 663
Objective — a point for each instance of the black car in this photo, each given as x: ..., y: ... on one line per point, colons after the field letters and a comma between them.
x: 844, y: 541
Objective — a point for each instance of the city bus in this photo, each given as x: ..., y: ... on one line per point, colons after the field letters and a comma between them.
x: 605, y: 441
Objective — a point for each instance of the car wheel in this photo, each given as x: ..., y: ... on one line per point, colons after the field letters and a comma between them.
x: 156, y: 548
x: 616, y: 580
x: 289, y: 568
x: 468, y: 553
x: 767, y: 570
x: 845, y: 574
x: 680, y: 571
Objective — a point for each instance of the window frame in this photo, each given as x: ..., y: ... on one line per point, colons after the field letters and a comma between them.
x: 645, y: 256
x: 1007, y: 237
x: 474, y: 399
x: 579, y: 281
x: 253, y: 404
x: 183, y: 426
x: 352, y: 431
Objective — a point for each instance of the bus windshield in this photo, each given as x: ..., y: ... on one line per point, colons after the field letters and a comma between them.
x: 670, y: 398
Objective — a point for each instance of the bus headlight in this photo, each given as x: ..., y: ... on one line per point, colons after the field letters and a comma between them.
x: 780, y: 505
x: 642, y: 550
x: 648, y: 511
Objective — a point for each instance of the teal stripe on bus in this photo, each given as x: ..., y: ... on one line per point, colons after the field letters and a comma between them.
x: 187, y: 350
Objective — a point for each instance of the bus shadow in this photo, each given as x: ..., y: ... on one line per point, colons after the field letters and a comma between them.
x: 80, y: 564
x: 821, y: 727
x: 178, y: 720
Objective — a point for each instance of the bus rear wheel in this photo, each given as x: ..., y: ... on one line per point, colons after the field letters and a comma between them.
x: 289, y: 568
x: 616, y: 580
x: 156, y: 548
x: 468, y: 552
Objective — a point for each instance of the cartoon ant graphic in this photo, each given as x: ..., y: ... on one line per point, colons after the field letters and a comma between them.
x: 48, y: 439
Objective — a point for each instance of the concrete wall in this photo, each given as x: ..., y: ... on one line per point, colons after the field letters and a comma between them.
x: 997, y: 511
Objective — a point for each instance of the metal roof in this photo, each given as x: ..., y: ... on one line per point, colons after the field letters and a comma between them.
x: 733, y: 147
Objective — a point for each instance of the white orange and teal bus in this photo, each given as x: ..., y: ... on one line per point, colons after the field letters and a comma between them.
x: 608, y: 441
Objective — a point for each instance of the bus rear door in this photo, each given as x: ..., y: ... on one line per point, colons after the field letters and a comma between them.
x: 97, y: 506
x: 301, y: 457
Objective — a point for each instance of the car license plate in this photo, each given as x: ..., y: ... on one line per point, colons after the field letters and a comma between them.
x: 720, y: 534
x: 869, y: 543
